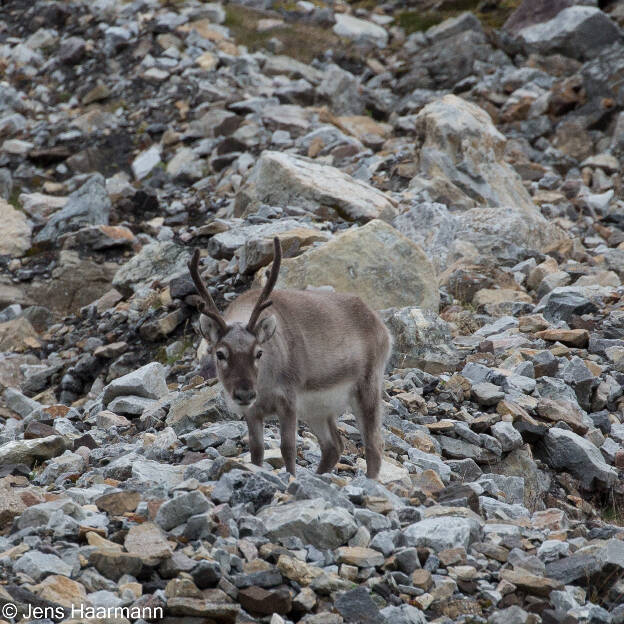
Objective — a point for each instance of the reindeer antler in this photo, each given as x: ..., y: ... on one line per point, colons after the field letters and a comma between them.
x: 209, y: 307
x: 262, y: 302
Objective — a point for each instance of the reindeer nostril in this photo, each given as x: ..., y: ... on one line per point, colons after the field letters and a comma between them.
x: 244, y: 396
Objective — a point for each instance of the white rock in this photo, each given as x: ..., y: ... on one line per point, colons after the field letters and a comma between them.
x: 143, y: 164
x: 360, y: 31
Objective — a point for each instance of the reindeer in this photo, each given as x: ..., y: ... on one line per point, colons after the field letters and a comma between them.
x: 310, y: 357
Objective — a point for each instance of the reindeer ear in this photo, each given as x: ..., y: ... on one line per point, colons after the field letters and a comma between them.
x: 265, y: 328
x: 210, y: 330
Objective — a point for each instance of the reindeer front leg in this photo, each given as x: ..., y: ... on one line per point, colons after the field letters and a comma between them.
x: 255, y: 427
x: 288, y: 432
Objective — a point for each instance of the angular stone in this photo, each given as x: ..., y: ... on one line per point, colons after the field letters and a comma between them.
x: 358, y: 556
x: 530, y: 583
x: 359, y: 30
x: 148, y: 382
x: 310, y: 520
x: 571, y: 337
x: 264, y: 601
x: 421, y: 339
x: 179, y: 509
x: 357, y: 606
x: 361, y: 261
x: 487, y: 394
x: 29, y: 451
x: 577, y: 31
x: 443, y: 532
x: 567, y: 450
x: 38, y: 565
x: 281, y: 179
x: 147, y: 542
x: 220, y: 612
x: 89, y: 205
x: 158, y: 261
x: 560, y: 410
x: 114, y: 564
x: 16, y: 231
x: 118, y: 503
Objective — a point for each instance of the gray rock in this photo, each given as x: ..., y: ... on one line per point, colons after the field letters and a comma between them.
x: 191, y: 409
x: 38, y: 565
x: 565, y: 449
x: 148, y: 382
x: 281, y: 179
x: 507, y: 435
x: 314, y: 521
x: 68, y: 462
x: 421, y: 339
x: 429, y: 461
x: 487, y: 394
x: 29, y: 451
x: 157, y: 261
x: 342, y: 89
x: 577, y: 31
x: 564, y: 302
x: 443, y: 532
x: 433, y: 227
x: 356, y: 605
x: 359, y: 30
x: 498, y: 211
x: 511, y: 615
x: 88, y: 205
x: 362, y: 261
x: 178, y: 510
x: 131, y: 405
x: 20, y: 403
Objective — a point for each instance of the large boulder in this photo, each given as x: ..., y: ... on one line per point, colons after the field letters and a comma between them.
x: 88, y: 205
x: 578, y: 31
x: 315, y: 521
x: 16, y: 231
x: 281, y: 179
x: 462, y: 166
x: 531, y: 12
x: 565, y: 449
x: 377, y: 263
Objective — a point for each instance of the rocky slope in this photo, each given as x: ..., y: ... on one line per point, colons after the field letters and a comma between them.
x: 464, y: 180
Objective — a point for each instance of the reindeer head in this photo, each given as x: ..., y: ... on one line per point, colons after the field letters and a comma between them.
x: 237, y: 347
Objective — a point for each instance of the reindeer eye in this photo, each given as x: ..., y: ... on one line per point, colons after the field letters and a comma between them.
x: 258, y: 355
x: 220, y: 355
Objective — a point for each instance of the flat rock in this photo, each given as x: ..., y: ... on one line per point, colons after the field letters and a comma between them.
x: 362, y: 262
x: 443, y: 532
x: 314, y: 521
x: 29, y: 451
x: 280, y: 179
x: 148, y: 542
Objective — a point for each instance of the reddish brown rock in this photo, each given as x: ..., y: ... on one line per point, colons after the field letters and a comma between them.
x: 265, y: 601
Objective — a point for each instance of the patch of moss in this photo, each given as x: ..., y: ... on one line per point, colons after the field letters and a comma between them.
x: 303, y: 42
x: 414, y: 21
